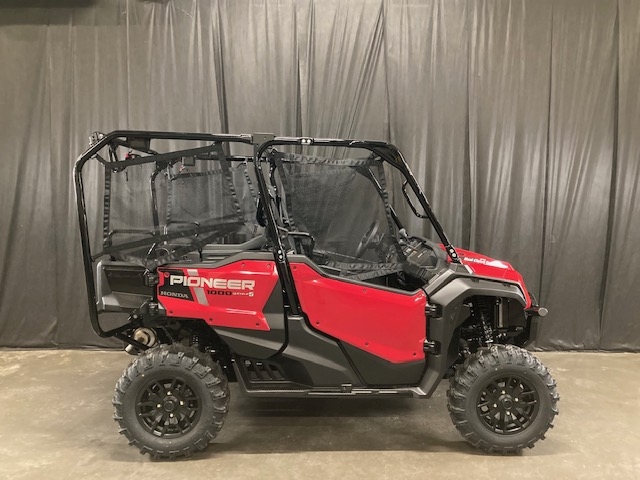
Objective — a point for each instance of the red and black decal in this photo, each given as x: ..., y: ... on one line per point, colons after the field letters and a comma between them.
x: 232, y: 295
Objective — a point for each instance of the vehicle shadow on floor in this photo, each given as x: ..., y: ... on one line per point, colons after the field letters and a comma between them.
x: 363, y: 424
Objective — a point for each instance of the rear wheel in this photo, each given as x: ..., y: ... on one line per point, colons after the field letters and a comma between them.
x: 502, y: 399
x: 171, y: 401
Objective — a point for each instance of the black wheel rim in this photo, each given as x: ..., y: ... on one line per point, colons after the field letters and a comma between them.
x: 508, y: 405
x: 168, y: 408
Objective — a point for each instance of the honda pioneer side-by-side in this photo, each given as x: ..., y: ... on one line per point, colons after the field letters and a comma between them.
x: 297, y: 267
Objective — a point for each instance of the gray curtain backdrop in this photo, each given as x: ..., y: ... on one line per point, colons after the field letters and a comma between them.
x: 520, y: 118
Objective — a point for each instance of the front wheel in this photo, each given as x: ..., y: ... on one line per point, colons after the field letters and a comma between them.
x: 502, y: 399
x: 171, y: 401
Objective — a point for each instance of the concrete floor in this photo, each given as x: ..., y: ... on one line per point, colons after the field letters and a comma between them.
x: 56, y: 423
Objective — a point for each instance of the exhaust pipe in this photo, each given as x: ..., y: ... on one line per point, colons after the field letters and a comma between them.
x: 146, y: 336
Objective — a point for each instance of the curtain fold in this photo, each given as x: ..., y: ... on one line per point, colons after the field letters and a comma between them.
x: 509, y: 82
x: 341, y: 69
x: 426, y: 58
x: 518, y: 117
x: 26, y: 195
x: 260, y: 65
x: 619, y: 322
x: 578, y: 179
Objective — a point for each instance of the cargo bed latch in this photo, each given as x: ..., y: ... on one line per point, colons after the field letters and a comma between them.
x: 150, y: 279
x: 433, y: 310
x: 431, y: 346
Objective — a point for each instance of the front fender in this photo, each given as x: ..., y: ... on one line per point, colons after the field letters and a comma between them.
x: 450, y: 300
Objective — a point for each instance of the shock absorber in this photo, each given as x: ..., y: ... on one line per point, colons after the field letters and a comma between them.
x: 482, y: 313
x: 195, y: 340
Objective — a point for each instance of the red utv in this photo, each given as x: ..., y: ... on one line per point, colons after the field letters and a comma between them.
x: 296, y: 267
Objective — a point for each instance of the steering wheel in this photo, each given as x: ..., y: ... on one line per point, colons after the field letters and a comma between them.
x: 367, y: 239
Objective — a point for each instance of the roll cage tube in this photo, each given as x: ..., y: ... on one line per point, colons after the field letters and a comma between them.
x: 387, y: 152
x: 282, y: 264
x: 99, y: 141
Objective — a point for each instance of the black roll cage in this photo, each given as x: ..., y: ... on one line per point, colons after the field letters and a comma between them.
x: 140, y: 141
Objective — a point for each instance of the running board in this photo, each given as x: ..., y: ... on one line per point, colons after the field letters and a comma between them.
x: 264, y: 389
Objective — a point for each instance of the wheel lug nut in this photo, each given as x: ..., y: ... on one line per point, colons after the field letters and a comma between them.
x: 159, y: 406
x: 181, y: 402
x: 171, y: 415
x: 516, y: 399
x: 169, y: 393
x: 495, y: 405
x: 503, y: 392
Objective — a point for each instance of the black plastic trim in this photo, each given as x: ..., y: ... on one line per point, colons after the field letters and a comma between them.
x: 312, y: 360
x: 259, y: 344
x: 441, y: 329
x: 378, y: 372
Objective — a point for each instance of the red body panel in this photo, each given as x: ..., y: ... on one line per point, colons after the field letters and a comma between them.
x: 232, y: 295
x: 488, y: 267
x: 389, y: 325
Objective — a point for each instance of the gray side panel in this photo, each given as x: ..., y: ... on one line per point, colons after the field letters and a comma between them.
x: 120, y: 286
x: 321, y: 358
x: 256, y: 343
x: 251, y: 343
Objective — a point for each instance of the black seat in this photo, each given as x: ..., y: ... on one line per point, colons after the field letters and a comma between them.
x: 213, y: 253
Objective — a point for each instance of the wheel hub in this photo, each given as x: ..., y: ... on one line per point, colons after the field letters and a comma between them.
x: 170, y: 404
x: 168, y: 408
x: 506, y: 402
x: 507, y: 405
